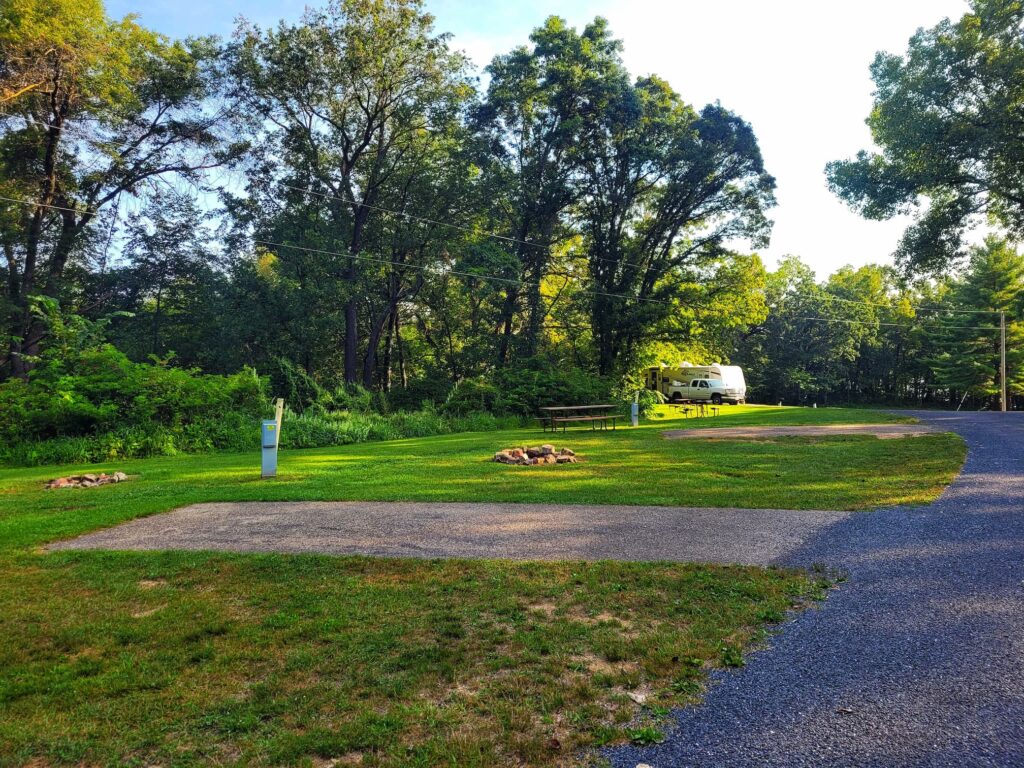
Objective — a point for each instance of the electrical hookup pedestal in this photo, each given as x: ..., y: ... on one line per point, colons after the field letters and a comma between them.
x: 270, y: 438
x: 268, y: 435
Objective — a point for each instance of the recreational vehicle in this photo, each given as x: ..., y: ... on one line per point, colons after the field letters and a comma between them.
x: 715, y: 383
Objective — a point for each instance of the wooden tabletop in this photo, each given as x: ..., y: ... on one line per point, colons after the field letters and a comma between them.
x: 573, y: 407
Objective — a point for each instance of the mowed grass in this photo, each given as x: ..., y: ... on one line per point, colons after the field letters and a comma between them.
x: 627, y: 466
x: 201, y: 659
x: 172, y: 658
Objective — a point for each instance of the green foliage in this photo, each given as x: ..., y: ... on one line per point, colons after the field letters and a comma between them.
x: 317, y: 429
x: 946, y: 119
x: 86, y: 401
x: 538, y: 383
x: 967, y: 346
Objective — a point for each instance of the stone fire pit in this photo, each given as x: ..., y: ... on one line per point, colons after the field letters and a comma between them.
x: 545, y: 454
x: 87, y: 481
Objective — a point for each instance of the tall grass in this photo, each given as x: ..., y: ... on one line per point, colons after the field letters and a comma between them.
x: 239, y: 432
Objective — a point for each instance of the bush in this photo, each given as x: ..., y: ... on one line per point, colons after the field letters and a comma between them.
x: 522, y: 391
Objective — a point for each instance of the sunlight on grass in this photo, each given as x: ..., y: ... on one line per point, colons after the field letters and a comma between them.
x: 196, y: 658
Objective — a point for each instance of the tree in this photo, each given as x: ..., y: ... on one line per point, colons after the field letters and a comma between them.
x: 342, y: 102
x: 95, y: 109
x: 807, y: 342
x: 666, y: 189
x: 947, y: 118
x: 968, y: 341
x: 170, y: 283
x: 540, y: 108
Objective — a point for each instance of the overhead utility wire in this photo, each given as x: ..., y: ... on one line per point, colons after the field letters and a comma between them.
x: 508, y: 280
x: 918, y: 308
x: 494, y: 235
x: 524, y: 283
x: 505, y: 238
x: 495, y: 278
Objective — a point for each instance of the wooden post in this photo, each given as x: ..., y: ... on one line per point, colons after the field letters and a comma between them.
x: 1002, y: 360
x: 278, y: 415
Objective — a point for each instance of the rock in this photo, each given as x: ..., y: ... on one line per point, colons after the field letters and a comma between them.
x: 637, y: 697
x: 550, y: 458
x: 547, y: 449
x: 120, y: 477
x: 533, y: 453
x: 90, y: 478
x: 517, y: 453
x: 567, y: 452
x: 565, y: 459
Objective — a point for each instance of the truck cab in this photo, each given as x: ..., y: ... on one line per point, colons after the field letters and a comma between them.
x: 710, y: 390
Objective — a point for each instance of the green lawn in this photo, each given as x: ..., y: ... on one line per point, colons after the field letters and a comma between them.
x: 201, y: 658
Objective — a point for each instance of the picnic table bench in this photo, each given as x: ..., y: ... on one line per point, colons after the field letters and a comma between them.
x: 563, y: 415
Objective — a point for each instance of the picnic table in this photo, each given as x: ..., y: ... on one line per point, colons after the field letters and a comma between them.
x: 698, y: 408
x: 554, y: 416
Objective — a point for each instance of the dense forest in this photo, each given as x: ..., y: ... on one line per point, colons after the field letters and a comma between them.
x: 342, y: 212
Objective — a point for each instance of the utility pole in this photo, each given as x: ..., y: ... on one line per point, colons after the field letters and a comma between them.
x: 1002, y: 360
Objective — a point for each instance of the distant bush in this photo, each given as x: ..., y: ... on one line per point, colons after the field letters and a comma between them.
x: 316, y: 430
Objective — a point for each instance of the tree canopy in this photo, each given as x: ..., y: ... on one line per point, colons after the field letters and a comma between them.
x: 947, y: 117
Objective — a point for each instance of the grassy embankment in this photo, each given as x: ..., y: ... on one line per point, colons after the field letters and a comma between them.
x: 198, y: 658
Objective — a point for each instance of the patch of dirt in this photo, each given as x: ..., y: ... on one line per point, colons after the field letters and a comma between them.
x: 147, y: 612
x: 349, y: 758
x: 881, y: 431
x: 548, y: 609
x: 152, y: 583
x: 599, y: 666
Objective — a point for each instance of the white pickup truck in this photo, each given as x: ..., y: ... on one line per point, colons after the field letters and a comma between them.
x: 715, y: 383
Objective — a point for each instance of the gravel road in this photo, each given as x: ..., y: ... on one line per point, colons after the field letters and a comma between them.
x: 917, y: 660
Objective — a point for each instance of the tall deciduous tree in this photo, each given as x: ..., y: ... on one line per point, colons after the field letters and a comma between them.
x: 95, y: 108
x: 540, y: 108
x: 948, y: 120
x: 666, y: 189
x: 342, y: 101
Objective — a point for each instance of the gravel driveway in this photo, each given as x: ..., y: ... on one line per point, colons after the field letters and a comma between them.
x: 517, y: 531
x: 917, y: 660
x: 881, y: 431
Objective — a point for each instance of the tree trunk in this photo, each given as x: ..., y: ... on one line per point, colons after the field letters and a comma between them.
x: 372, y: 342
x: 508, y: 311
x: 401, y: 353
x: 388, y: 343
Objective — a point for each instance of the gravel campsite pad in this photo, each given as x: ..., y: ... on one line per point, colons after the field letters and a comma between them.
x: 512, y: 531
x: 881, y: 431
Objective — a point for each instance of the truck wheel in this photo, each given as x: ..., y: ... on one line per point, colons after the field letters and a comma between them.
x: 716, y: 399
x: 676, y: 397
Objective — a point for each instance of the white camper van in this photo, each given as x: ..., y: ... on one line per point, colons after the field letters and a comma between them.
x: 715, y: 383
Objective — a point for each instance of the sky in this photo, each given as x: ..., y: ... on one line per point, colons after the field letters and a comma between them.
x: 797, y: 70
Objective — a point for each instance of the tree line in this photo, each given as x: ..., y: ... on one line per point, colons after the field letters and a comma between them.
x: 343, y: 202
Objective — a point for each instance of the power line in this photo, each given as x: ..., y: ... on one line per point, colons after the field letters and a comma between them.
x: 917, y: 308
x: 45, y: 205
x: 451, y: 225
x: 513, y: 281
x: 505, y: 238
x: 898, y: 325
x: 473, y: 275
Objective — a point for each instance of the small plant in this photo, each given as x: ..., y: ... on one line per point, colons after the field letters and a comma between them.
x: 645, y: 736
x: 732, y: 656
